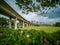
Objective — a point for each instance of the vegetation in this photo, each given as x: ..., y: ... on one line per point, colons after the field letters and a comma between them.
x: 57, y: 24
x: 3, y: 22
x: 30, y: 5
x: 28, y: 37
x: 47, y: 29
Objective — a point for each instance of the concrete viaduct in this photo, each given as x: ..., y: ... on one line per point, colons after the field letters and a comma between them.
x: 7, y: 10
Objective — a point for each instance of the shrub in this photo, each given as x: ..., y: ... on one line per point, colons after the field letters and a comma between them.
x: 27, y: 37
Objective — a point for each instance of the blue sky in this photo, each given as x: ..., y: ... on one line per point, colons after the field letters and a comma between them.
x: 51, y: 17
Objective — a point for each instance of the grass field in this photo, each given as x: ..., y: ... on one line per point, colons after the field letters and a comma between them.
x: 48, y: 29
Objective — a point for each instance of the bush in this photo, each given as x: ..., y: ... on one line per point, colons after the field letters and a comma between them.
x: 57, y: 24
x: 27, y: 37
x: 3, y: 22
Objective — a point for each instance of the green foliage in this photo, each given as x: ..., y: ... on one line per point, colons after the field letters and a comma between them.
x: 27, y: 37
x: 57, y: 24
x: 28, y: 5
x: 48, y: 3
x: 3, y: 21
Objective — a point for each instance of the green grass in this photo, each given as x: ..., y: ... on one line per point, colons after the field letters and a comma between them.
x: 48, y: 29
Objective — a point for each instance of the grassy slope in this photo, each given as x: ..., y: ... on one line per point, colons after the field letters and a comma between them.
x: 48, y: 29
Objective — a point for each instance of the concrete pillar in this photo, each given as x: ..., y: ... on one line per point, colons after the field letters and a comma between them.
x: 15, y: 23
x: 27, y: 24
x: 23, y: 24
x: 19, y: 25
x: 10, y: 22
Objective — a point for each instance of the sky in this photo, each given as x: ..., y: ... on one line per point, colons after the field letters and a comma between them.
x: 50, y: 17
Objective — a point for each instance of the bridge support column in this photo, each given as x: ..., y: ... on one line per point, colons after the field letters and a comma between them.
x: 27, y: 24
x: 10, y: 22
x: 15, y: 23
x: 23, y: 25
x: 19, y: 25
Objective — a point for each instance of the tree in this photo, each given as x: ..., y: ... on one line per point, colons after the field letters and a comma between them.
x: 3, y: 22
x: 31, y: 6
x: 57, y: 24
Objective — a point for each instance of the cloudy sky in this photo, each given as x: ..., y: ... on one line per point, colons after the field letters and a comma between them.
x: 50, y: 17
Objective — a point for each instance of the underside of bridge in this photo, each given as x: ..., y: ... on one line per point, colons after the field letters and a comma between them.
x: 7, y: 10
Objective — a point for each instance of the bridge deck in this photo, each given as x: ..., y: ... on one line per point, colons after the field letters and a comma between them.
x: 10, y: 12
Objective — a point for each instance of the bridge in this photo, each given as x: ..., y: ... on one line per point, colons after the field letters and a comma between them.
x: 8, y: 11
